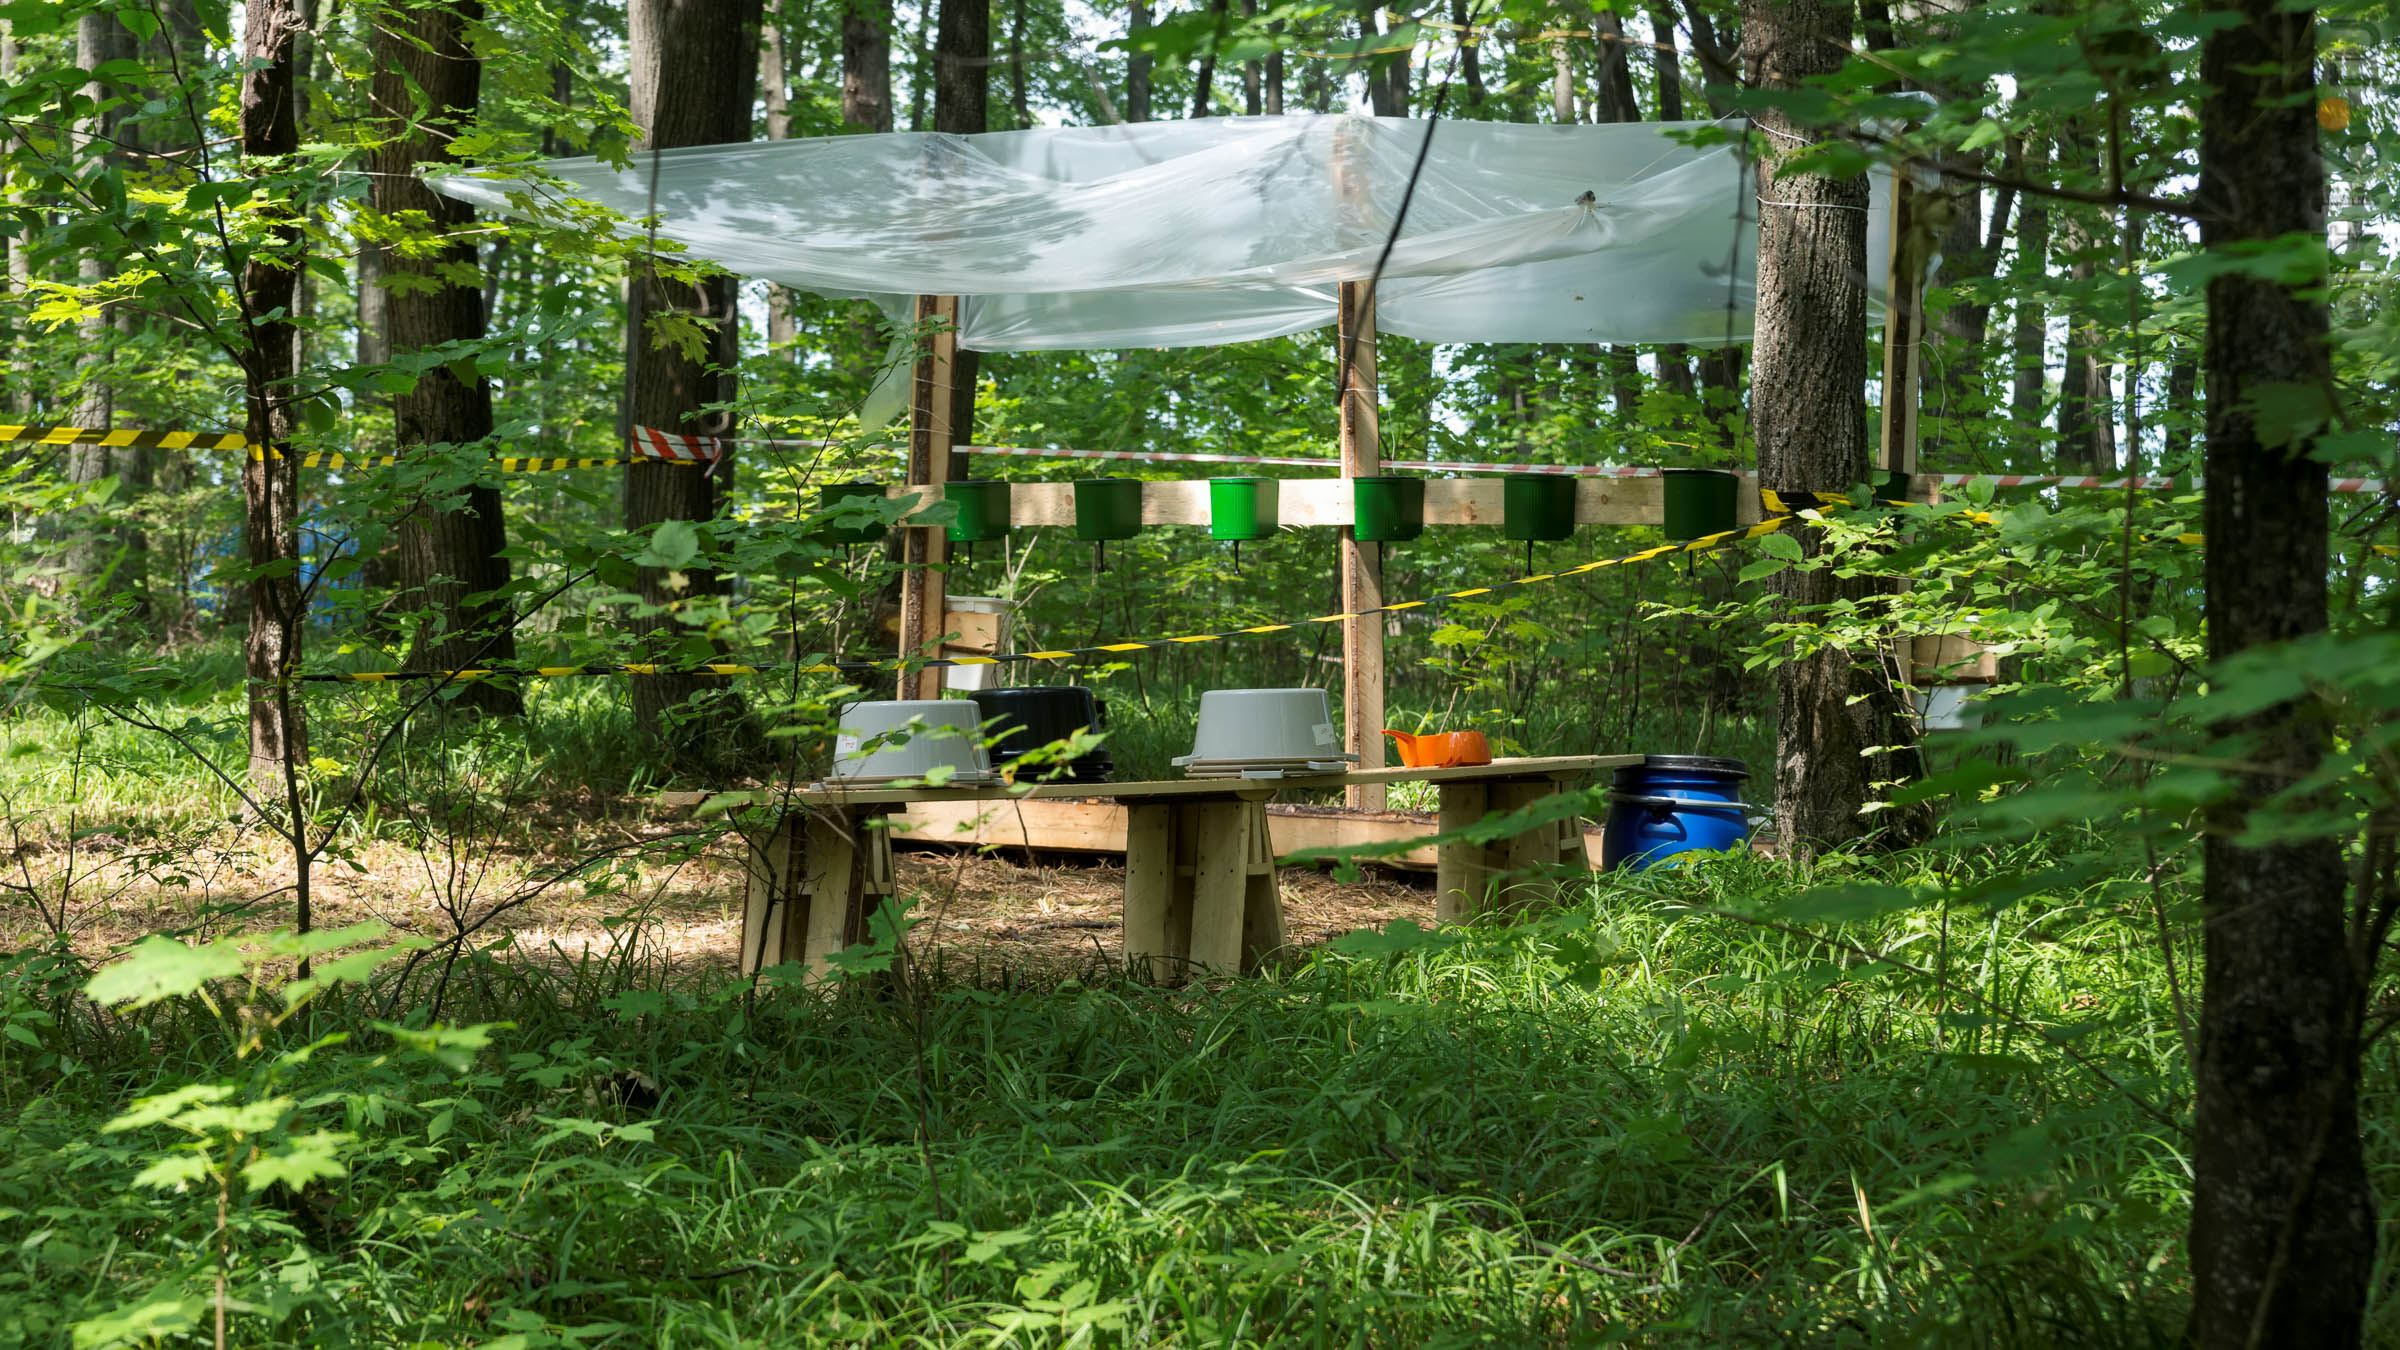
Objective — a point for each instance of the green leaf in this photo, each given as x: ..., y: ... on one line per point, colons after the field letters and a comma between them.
x: 315, y: 1156
x: 167, y: 1106
x: 176, y: 1171
x: 1849, y: 903
x: 162, y: 968
x: 1780, y: 546
x: 674, y: 544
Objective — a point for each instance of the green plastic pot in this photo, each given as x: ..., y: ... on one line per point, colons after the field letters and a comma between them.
x: 832, y: 495
x: 1701, y: 501
x: 982, y: 510
x: 1537, y: 507
x: 1241, y: 510
x: 1387, y: 508
x: 1108, y: 508
x: 1891, y: 485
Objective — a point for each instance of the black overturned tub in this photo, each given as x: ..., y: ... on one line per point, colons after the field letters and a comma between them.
x: 1031, y: 716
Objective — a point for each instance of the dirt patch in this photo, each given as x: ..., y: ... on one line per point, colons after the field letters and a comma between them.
x: 1059, y: 914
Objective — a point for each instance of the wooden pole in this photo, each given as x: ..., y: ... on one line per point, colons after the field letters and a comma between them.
x: 1903, y: 332
x: 926, y: 549
x: 1362, y: 564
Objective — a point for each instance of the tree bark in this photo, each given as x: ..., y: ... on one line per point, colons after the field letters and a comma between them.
x: 1020, y: 115
x: 2029, y: 320
x: 428, y: 81
x: 1251, y: 87
x: 1271, y: 98
x: 1204, y: 81
x: 867, y: 65
x: 1615, y: 102
x: 960, y: 107
x: 1470, y: 62
x: 2283, y: 1220
x: 694, y: 74
x: 1137, y: 66
x: 1809, y: 411
x: 270, y: 129
x: 103, y: 551
x: 774, y: 86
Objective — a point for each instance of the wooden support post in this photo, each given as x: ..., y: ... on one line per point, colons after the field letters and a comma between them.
x: 1362, y: 564
x: 926, y: 549
x: 1903, y: 332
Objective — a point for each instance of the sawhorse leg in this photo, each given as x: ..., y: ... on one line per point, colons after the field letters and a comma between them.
x: 1467, y: 873
x: 813, y: 884
x: 1200, y: 888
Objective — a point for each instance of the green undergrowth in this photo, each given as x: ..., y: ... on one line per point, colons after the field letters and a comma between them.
x: 1644, y: 1120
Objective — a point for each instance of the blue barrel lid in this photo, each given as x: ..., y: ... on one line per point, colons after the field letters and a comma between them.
x: 1693, y: 764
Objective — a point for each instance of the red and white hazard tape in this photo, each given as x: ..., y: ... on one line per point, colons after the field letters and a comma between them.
x: 651, y: 443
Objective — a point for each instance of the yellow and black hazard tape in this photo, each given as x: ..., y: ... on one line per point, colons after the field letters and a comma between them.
x: 1707, y: 543
x: 170, y: 440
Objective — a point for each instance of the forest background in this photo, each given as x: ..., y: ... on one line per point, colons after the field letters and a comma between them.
x: 216, y: 224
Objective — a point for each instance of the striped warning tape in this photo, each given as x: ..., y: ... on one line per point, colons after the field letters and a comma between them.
x: 507, y: 464
x: 171, y: 440
x: 1707, y: 543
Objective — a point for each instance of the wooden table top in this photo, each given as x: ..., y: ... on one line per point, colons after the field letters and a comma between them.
x: 1554, y: 767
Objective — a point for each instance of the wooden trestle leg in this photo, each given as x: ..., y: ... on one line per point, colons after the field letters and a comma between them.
x: 1200, y: 892
x: 809, y: 911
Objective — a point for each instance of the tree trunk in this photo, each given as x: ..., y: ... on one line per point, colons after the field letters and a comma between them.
x: 1137, y: 67
x: 2029, y: 321
x: 1615, y: 102
x: 921, y: 77
x: 428, y: 81
x: 2181, y: 412
x: 1562, y: 83
x: 1250, y: 69
x: 270, y: 129
x: 1470, y: 61
x: 1674, y: 359
x: 774, y: 82
x: 101, y: 552
x: 962, y: 62
x: 694, y: 79
x: 1205, y: 79
x: 960, y: 107
x: 867, y: 65
x: 2283, y: 1220
x: 1020, y: 115
x: 1271, y: 98
x: 1808, y: 408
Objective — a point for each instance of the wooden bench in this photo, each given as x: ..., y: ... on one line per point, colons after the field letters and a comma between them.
x: 1200, y: 890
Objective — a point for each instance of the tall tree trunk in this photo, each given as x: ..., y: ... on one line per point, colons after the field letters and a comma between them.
x: 1251, y: 102
x: 428, y: 82
x: 101, y: 551
x: 694, y: 72
x: 2086, y: 412
x: 960, y: 107
x: 867, y: 65
x: 2029, y: 320
x: 774, y: 87
x: 1387, y: 76
x: 1137, y: 66
x: 1808, y: 408
x: 2182, y: 409
x: 270, y: 130
x: 1470, y: 52
x: 1562, y: 83
x: 2283, y: 1219
x: 1614, y: 101
x: 1271, y: 97
x: 962, y: 62
x: 1204, y: 82
x: 1674, y: 359
x: 1020, y: 116
x: 922, y: 77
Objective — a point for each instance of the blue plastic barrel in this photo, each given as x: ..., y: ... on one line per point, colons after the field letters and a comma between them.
x: 1670, y: 804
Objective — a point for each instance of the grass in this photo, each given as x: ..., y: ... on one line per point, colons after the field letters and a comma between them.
x: 1622, y: 1123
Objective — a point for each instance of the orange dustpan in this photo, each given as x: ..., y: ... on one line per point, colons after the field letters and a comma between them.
x: 1441, y: 749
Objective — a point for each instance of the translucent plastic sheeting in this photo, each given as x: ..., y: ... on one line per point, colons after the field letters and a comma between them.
x: 1222, y: 229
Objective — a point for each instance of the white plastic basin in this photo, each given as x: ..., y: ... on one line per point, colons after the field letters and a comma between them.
x: 881, y: 739
x: 1263, y: 724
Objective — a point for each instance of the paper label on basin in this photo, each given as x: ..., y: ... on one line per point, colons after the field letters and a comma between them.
x: 1324, y: 733
x: 845, y: 746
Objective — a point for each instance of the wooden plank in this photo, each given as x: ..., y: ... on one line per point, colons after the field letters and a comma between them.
x: 927, y: 548
x: 1527, y: 858
x: 1149, y: 886
x: 1546, y: 766
x: 1219, y: 885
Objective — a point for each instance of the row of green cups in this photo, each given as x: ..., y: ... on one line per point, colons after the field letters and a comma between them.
x: 1386, y: 508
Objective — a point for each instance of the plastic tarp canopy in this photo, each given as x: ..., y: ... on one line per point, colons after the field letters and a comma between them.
x: 1221, y: 229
